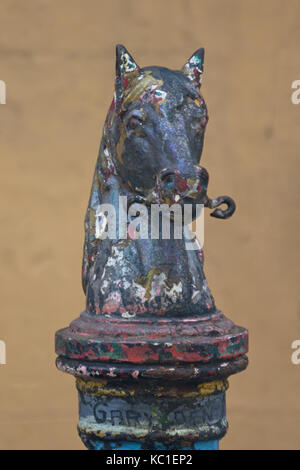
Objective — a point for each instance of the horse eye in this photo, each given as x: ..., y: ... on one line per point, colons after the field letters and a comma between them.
x: 199, y: 124
x: 134, y: 122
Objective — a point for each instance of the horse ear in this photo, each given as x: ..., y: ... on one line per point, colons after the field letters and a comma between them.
x: 126, y: 70
x: 193, y: 69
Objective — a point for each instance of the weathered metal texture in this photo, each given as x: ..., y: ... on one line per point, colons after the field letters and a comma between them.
x: 195, y: 371
x: 155, y: 412
x: 150, y: 153
x: 150, y: 318
x: 210, y: 339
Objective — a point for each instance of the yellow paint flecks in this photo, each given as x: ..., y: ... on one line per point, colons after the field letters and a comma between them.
x: 139, y: 85
x: 100, y: 388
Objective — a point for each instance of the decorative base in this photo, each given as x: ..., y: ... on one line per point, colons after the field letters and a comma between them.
x: 153, y: 347
x: 152, y: 384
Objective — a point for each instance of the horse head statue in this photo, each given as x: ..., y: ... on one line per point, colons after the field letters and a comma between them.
x: 151, y: 353
x: 149, y: 154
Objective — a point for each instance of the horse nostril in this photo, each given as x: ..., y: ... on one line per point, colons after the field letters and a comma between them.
x: 167, y: 178
x: 169, y: 182
x: 173, y: 181
x: 167, y: 172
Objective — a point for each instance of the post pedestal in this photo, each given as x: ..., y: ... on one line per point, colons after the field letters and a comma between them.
x: 152, y: 384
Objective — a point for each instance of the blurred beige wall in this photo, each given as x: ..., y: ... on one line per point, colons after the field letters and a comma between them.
x: 57, y: 59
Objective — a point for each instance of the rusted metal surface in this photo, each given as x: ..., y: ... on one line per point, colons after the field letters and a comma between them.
x: 150, y: 318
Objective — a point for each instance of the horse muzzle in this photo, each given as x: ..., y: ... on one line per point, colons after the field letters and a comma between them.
x: 172, y: 187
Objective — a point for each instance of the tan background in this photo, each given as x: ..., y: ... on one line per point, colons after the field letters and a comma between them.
x: 57, y: 59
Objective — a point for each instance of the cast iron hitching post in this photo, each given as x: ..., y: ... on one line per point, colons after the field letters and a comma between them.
x: 151, y: 353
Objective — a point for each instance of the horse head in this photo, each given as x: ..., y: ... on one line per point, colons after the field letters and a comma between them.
x: 150, y: 152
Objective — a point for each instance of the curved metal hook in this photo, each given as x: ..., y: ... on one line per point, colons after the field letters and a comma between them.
x: 220, y: 213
